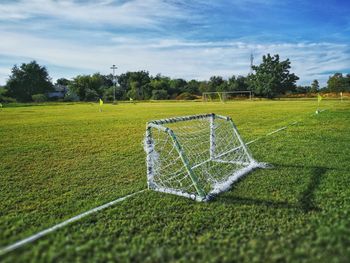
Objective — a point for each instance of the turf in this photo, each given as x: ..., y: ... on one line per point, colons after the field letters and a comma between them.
x: 58, y: 160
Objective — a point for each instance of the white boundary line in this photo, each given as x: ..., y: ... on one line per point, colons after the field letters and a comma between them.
x: 280, y: 129
x: 273, y: 132
x: 62, y: 224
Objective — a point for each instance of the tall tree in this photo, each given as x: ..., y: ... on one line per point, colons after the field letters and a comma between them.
x: 192, y: 87
x: 338, y: 82
x: 62, y: 82
x: 136, y: 84
x: 217, y: 83
x: 135, y: 92
x: 272, y: 77
x: 203, y: 86
x: 27, y: 80
x: 177, y: 86
x: 315, y: 86
x: 88, y: 87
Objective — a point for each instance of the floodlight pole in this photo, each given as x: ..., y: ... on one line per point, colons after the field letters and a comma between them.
x: 114, y: 81
x: 251, y: 63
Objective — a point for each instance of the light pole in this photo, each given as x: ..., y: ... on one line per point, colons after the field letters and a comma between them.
x: 251, y: 62
x: 114, y: 81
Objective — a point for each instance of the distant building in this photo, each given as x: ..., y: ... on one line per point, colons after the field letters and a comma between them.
x: 59, y: 91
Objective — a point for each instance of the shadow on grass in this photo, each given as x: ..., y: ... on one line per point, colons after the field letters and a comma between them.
x: 253, y: 201
x: 306, y: 200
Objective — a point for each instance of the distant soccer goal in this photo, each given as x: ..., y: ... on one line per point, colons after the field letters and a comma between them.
x: 226, y: 96
x: 195, y: 156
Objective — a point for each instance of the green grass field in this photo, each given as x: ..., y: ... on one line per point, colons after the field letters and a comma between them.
x: 60, y: 160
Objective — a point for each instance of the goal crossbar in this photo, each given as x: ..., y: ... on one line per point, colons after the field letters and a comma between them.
x: 187, y: 118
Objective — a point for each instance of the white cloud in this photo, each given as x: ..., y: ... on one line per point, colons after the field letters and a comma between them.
x: 136, y: 13
x: 175, y: 57
x: 31, y: 30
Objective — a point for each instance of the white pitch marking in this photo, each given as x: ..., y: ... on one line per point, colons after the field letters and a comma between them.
x: 270, y: 133
x: 62, y: 224
x: 280, y: 129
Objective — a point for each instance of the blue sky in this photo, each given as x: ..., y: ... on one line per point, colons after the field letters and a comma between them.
x: 177, y: 38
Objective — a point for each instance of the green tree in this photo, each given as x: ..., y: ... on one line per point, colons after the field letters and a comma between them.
x: 272, y: 77
x: 62, y: 81
x: 217, y: 83
x: 315, y: 86
x: 27, y: 80
x: 39, y: 97
x: 232, y: 85
x: 302, y: 89
x: 240, y: 83
x: 192, y: 87
x: 203, y: 86
x: 108, y: 93
x: 135, y: 84
x: 159, y: 94
x: 88, y: 87
x: 135, y: 92
x: 160, y: 83
x: 71, y: 96
x: 4, y: 97
x: 176, y: 86
x: 338, y: 83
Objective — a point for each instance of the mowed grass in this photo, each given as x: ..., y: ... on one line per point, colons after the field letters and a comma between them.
x: 57, y: 161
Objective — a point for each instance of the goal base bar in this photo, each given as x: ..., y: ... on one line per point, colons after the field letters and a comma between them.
x: 218, y: 187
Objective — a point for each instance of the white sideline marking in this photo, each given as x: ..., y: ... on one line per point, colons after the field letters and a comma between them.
x: 253, y: 141
x: 270, y: 133
x: 280, y: 129
x: 62, y: 224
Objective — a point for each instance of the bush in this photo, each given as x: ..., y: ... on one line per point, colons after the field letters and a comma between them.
x: 186, y: 96
x: 7, y: 99
x: 4, y: 98
x: 39, y: 97
x: 159, y: 94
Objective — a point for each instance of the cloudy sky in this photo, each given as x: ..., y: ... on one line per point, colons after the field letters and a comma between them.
x: 177, y: 38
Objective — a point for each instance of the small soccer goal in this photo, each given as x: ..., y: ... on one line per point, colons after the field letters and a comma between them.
x: 195, y: 156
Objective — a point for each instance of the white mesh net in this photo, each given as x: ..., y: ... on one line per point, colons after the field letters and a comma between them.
x: 195, y: 156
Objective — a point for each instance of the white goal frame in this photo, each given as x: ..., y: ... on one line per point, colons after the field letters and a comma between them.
x: 201, y: 179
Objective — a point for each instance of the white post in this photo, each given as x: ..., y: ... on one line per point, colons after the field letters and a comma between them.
x: 149, y: 147
x: 241, y: 141
x: 212, y: 137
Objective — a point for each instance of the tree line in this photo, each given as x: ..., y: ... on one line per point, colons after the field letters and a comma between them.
x: 31, y: 82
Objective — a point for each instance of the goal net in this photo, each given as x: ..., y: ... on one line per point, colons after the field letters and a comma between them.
x: 195, y: 156
x: 226, y: 96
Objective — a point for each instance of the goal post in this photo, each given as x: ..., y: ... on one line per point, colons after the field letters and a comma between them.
x: 195, y: 156
x: 226, y: 95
